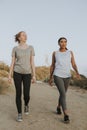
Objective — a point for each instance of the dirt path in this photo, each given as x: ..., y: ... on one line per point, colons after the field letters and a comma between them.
x: 42, y: 110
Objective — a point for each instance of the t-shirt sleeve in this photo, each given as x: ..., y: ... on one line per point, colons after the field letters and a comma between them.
x: 32, y: 51
x: 13, y: 52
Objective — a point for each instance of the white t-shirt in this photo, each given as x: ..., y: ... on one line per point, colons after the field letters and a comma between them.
x: 62, y: 64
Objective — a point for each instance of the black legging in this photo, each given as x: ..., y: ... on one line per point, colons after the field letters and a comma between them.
x: 18, y: 79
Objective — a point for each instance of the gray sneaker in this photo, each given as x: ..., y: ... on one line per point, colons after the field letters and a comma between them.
x: 19, y: 118
x: 26, y: 110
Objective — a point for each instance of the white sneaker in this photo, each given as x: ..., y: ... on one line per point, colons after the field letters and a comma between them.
x: 19, y: 118
x: 26, y: 110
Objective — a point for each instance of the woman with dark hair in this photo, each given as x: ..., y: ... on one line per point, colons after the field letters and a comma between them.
x: 23, y: 69
x: 60, y: 70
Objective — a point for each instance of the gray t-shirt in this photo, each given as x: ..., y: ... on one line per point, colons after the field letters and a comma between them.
x: 22, y: 63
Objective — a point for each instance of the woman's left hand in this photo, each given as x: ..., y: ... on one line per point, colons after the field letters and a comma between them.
x: 33, y: 80
x: 78, y: 76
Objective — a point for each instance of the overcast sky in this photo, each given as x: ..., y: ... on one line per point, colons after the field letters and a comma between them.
x: 45, y: 21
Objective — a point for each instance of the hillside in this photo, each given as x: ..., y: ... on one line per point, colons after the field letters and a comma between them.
x: 42, y: 74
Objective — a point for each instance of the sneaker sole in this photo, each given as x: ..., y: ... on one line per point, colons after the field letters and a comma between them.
x: 26, y: 113
x: 58, y: 113
x: 19, y: 120
x: 67, y: 122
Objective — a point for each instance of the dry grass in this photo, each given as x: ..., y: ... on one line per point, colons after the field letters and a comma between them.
x: 3, y: 73
x: 4, y: 85
x: 42, y: 72
x: 5, y: 67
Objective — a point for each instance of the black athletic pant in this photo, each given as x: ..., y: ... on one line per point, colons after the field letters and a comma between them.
x: 18, y: 79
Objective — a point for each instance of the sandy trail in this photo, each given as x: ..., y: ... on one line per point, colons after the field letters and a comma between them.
x: 42, y: 110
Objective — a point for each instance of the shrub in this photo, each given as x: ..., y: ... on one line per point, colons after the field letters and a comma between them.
x: 81, y: 83
x: 3, y: 73
x: 4, y: 85
x: 42, y: 73
x: 5, y: 67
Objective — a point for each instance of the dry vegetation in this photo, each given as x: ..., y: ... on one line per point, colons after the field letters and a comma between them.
x: 4, y: 69
x: 42, y: 73
x: 4, y: 84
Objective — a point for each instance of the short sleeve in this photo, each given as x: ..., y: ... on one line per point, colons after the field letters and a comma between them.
x: 32, y: 51
x: 13, y: 52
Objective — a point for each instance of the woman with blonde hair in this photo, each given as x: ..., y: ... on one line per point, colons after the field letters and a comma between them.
x: 23, y: 69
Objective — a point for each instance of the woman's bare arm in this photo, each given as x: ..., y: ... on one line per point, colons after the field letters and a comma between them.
x: 73, y: 63
x: 11, y: 67
x: 33, y: 68
x: 52, y: 65
x: 74, y: 66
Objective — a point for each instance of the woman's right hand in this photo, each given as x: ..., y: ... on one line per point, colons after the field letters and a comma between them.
x: 50, y: 81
